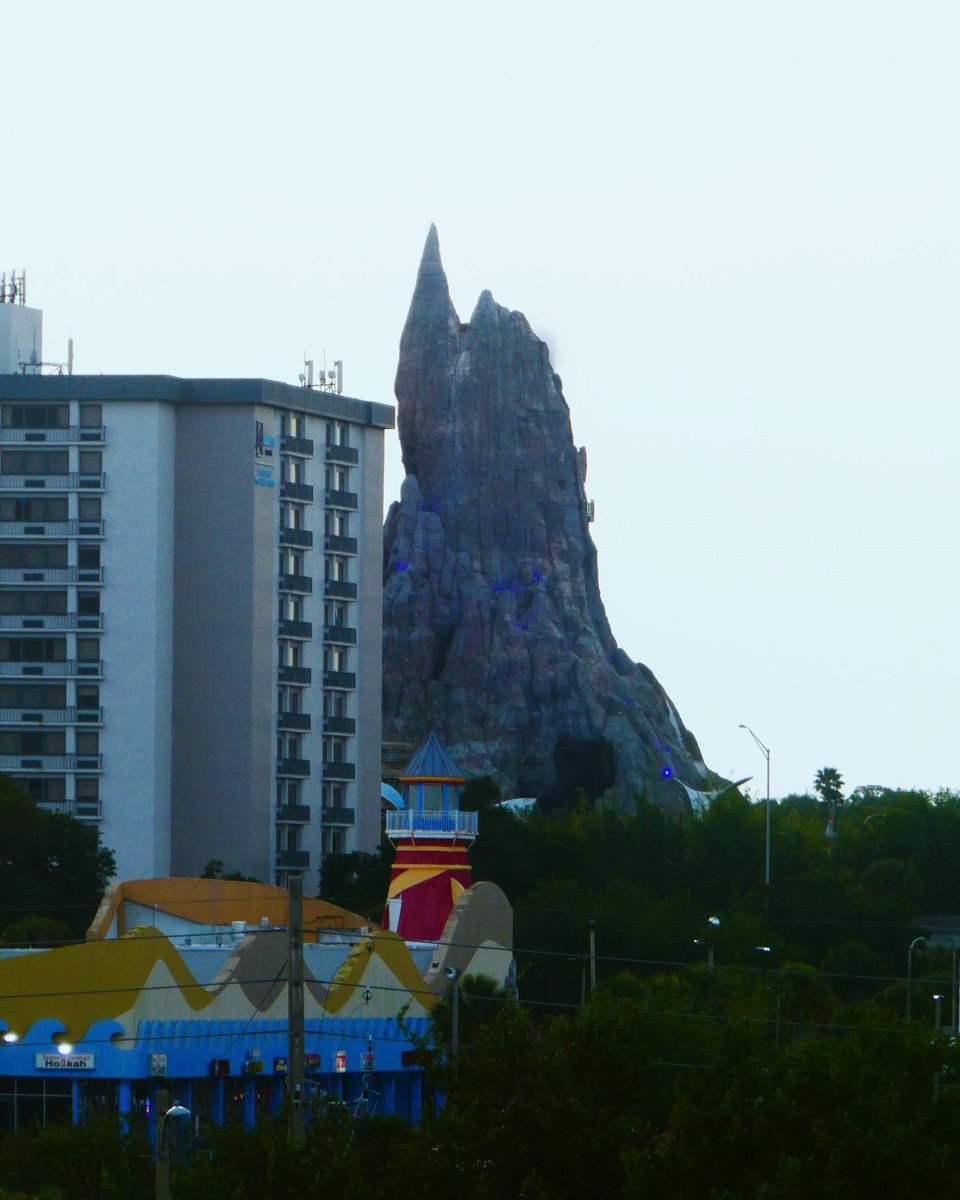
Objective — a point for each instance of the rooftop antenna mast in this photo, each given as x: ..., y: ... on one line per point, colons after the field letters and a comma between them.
x: 329, y: 381
x: 14, y: 291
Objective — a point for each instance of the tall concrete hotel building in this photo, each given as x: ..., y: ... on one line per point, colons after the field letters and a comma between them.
x: 190, y: 610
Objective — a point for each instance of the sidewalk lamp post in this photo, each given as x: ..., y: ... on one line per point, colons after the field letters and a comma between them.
x: 453, y: 975
x: 165, y: 1115
x: 766, y: 754
x: 916, y: 942
x: 709, y: 942
x: 937, y: 1008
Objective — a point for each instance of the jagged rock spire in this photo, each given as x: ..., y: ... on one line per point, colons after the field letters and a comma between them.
x: 495, y: 632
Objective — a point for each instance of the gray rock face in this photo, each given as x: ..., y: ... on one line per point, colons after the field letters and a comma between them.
x: 495, y: 634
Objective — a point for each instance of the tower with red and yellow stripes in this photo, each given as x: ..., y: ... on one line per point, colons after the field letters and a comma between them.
x: 432, y: 837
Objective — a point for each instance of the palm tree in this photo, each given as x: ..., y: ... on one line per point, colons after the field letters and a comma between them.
x: 828, y: 784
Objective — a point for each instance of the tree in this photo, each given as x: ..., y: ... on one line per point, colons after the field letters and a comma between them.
x: 213, y: 869
x: 828, y: 784
x: 51, y: 865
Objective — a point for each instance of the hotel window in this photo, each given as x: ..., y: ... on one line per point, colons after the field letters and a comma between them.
x: 35, y: 462
x: 36, y: 416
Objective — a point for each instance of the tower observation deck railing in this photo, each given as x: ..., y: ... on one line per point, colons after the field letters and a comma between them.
x: 404, y: 823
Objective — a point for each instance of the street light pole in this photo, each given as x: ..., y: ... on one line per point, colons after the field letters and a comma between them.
x: 766, y: 755
x: 453, y: 974
x: 165, y: 1113
x: 916, y: 942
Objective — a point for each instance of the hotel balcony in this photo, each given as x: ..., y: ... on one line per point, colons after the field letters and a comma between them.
x: 336, y: 589
x: 337, y: 816
x: 339, y: 545
x: 339, y: 770
x: 297, y: 721
x: 296, y: 629
x: 51, y: 575
x: 341, y: 454
x: 51, y: 762
x: 52, y: 529
x: 57, y: 670
x: 67, y: 621
x: 89, y: 434
x: 51, y: 716
x: 301, y: 675
x: 298, y: 768
x: 295, y: 491
x: 339, y: 725
x: 53, y: 483
x: 340, y: 635
x: 336, y: 499
x: 293, y: 860
x: 295, y: 537
x: 340, y: 679
x: 296, y: 583
x: 296, y: 445
x: 293, y: 814
x: 452, y: 824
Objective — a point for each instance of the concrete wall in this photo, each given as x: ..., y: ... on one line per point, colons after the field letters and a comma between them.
x: 369, y: 636
x: 136, y: 693
x: 224, y: 645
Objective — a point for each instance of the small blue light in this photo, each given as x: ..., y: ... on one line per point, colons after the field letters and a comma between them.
x: 667, y: 773
x: 401, y: 564
x: 537, y: 576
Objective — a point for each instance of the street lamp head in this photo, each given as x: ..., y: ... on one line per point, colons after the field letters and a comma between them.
x: 713, y: 921
x: 453, y: 974
x: 177, y: 1110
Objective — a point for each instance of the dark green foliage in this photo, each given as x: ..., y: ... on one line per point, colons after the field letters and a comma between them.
x: 51, y: 865
x: 479, y: 795
x: 94, y: 1161
x: 358, y: 882
x: 213, y: 869
x: 345, y: 1156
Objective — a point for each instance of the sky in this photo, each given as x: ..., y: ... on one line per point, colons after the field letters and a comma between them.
x: 735, y: 225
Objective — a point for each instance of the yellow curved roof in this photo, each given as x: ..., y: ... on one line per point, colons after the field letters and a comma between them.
x: 215, y: 902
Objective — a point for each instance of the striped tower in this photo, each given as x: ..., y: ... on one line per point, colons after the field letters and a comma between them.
x: 432, y: 836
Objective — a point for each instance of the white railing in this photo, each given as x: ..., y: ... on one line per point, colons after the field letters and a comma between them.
x: 445, y: 824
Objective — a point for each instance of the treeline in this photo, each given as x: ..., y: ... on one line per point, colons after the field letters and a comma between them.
x: 624, y: 1098
x: 844, y: 906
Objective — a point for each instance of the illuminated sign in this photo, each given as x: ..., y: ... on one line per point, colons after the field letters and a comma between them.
x: 341, y: 1061
x: 65, y: 1062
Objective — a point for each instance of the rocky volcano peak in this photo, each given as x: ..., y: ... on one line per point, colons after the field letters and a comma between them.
x: 495, y: 634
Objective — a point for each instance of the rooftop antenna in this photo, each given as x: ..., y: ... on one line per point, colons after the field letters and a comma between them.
x: 15, y: 290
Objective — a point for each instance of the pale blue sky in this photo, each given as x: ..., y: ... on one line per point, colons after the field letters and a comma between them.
x: 735, y: 224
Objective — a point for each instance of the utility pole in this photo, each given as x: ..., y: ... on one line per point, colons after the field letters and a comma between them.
x: 593, y: 954
x: 163, y: 1145
x: 295, y: 1071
